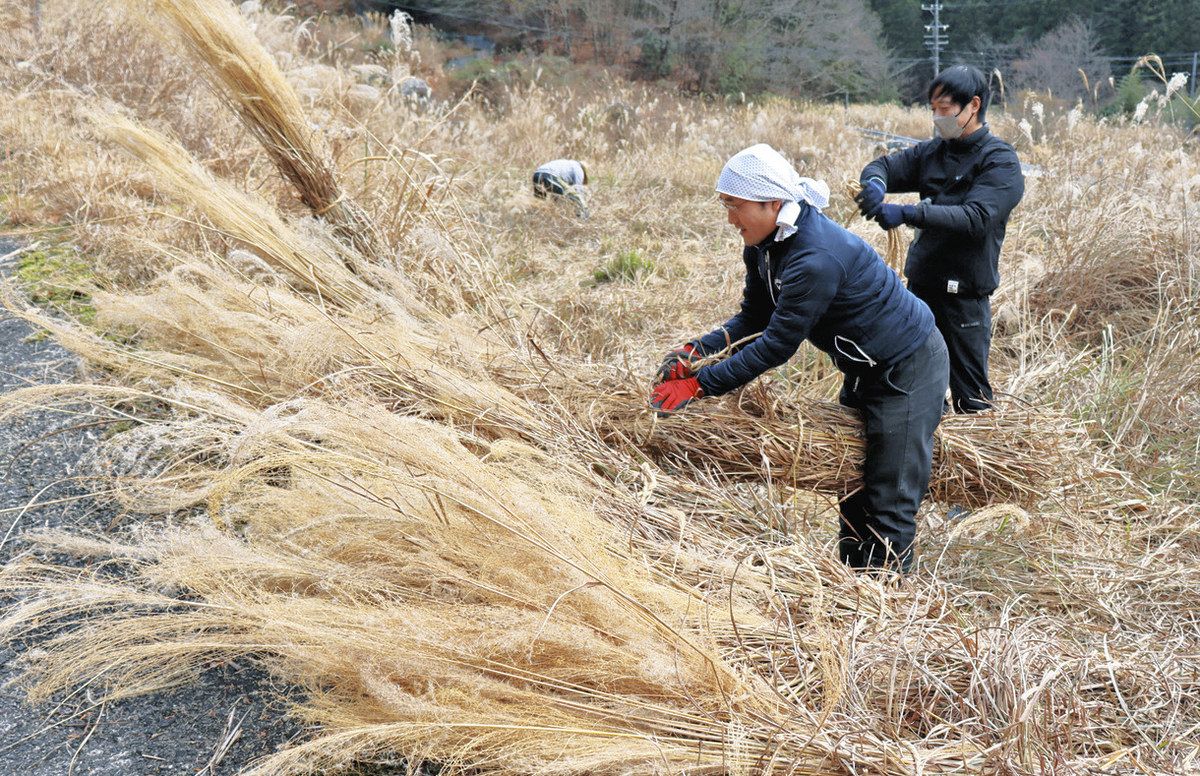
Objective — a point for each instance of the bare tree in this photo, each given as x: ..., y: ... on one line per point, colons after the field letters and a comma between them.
x: 816, y: 48
x: 830, y: 47
x: 812, y: 47
x: 1056, y: 61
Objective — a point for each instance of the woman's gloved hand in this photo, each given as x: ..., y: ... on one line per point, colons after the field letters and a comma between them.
x: 678, y: 364
x: 674, y: 395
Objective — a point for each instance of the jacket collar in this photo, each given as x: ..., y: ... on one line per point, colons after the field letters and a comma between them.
x: 772, y: 247
x: 970, y: 141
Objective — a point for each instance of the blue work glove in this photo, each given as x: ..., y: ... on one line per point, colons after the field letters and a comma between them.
x: 892, y: 216
x: 870, y: 198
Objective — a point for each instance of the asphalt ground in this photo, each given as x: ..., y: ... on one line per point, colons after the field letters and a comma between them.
x: 44, y: 465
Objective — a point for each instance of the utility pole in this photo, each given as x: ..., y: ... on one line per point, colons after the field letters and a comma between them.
x: 935, y: 34
x: 1195, y: 61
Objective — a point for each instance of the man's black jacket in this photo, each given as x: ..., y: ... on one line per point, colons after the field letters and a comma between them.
x: 968, y: 187
x: 823, y: 284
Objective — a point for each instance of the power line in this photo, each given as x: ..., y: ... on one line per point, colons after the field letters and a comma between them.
x: 1180, y: 57
x: 1180, y: 63
x: 993, y: 6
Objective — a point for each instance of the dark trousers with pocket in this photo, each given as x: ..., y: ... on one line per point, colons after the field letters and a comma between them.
x: 966, y: 324
x: 901, y: 407
x: 545, y: 183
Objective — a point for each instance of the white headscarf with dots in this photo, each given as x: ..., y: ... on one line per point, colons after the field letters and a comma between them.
x: 761, y: 174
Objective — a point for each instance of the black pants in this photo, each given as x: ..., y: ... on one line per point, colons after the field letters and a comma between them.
x: 546, y: 183
x: 901, y: 407
x: 966, y: 324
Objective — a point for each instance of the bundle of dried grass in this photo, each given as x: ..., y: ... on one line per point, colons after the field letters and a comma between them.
x: 247, y: 79
x: 1016, y: 454
x: 428, y: 604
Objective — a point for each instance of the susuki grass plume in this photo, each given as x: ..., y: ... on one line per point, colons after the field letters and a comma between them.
x: 250, y: 82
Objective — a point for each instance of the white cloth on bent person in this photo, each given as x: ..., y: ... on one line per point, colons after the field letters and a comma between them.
x: 761, y: 174
x: 568, y: 171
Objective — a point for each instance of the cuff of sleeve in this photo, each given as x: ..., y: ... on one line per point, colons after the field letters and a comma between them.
x: 702, y: 348
x: 912, y: 215
x: 875, y: 179
x: 705, y: 386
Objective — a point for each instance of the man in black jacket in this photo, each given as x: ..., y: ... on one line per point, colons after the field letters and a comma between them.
x: 808, y: 278
x: 969, y: 181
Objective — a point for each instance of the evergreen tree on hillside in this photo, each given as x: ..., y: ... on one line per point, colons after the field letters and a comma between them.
x: 901, y: 22
x: 1165, y: 26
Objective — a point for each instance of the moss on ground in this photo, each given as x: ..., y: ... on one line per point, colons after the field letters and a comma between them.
x: 626, y: 265
x: 59, y: 278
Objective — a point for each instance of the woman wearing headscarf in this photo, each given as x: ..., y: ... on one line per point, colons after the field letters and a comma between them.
x: 808, y: 278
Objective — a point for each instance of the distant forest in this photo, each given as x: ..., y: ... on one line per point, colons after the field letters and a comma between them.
x: 823, y: 49
x: 1029, y: 38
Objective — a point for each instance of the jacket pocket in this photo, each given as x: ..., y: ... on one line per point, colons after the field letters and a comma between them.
x: 890, y: 378
x: 849, y: 351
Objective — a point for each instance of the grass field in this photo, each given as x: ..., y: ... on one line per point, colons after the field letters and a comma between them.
x: 383, y: 420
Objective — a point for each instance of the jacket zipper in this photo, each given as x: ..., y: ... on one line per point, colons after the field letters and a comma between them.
x: 770, y: 282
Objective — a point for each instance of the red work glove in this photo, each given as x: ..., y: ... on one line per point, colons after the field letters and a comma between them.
x: 674, y: 395
x: 678, y: 364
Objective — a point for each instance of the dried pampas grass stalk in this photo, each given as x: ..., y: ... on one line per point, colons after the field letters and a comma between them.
x: 247, y: 79
x: 309, y: 264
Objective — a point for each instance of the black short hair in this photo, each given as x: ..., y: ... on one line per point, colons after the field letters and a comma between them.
x: 960, y: 83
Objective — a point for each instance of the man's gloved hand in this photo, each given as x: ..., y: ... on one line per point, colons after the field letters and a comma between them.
x: 892, y: 216
x: 678, y: 364
x: 674, y: 395
x: 870, y: 198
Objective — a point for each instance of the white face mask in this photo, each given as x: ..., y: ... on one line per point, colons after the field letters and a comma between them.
x: 948, y: 127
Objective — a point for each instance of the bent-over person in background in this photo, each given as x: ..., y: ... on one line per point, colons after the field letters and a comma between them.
x: 563, y: 178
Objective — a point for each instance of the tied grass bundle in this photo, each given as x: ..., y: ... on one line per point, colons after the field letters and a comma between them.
x: 246, y: 78
x: 1014, y: 454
